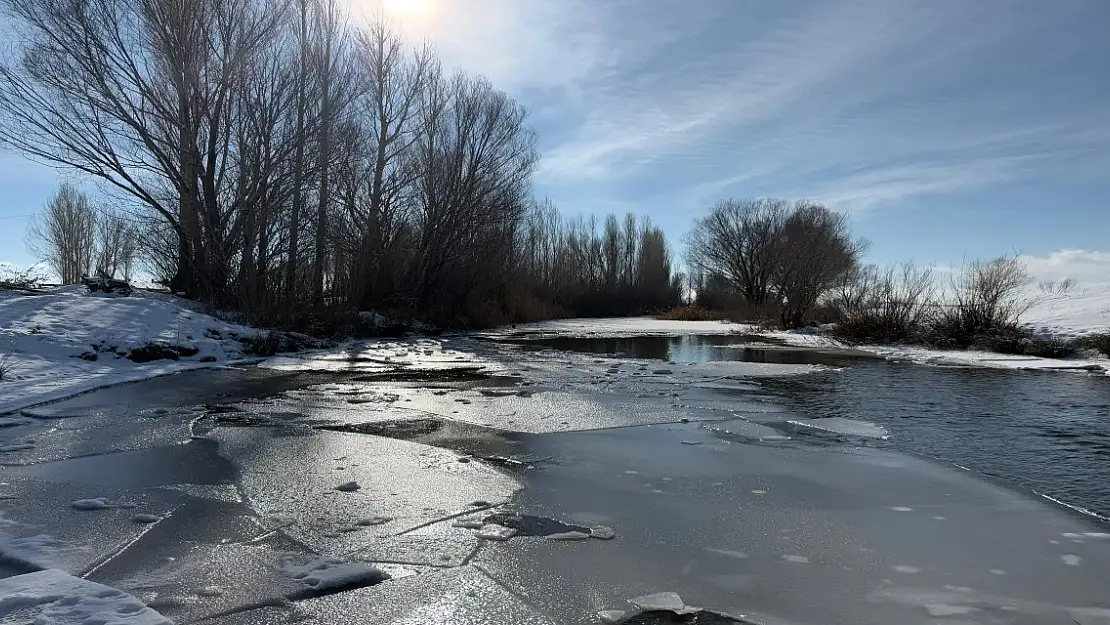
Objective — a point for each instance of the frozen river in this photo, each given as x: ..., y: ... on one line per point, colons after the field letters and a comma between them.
x: 471, y: 481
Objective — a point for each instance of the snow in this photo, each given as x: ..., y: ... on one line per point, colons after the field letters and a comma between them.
x: 327, y: 573
x: 44, y: 335
x: 52, y: 597
x: 35, y: 550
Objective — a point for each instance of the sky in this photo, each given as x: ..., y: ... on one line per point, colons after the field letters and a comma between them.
x: 949, y: 130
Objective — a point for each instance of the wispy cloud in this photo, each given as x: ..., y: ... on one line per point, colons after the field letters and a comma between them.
x: 862, y: 102
x: 1084, y: 266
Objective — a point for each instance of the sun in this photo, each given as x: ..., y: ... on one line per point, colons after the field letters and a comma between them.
x: 405, y: 8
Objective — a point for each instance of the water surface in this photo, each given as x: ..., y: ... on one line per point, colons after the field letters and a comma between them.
x: 1043, y: 431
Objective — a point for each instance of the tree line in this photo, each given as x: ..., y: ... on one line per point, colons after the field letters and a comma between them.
x: 276, y: 159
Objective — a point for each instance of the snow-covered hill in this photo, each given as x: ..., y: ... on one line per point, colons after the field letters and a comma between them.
x: 1081, y: 312
x: 67, y: 341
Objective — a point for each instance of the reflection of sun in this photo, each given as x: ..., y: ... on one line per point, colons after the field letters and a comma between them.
x: 404, y: 7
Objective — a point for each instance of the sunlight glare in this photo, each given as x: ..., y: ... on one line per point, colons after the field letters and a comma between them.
x: 404, y: 8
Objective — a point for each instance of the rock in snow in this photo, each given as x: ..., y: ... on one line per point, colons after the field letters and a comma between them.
x: 348, y: 487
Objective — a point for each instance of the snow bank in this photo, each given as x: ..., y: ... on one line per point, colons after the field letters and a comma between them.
x: 991, y: 360
x: 1072, y: 315
x: 52, y: 597
x: 44, y: 337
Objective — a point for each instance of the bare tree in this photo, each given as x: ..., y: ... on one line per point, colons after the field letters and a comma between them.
x: 63, y: 235
x: 814, y: 250
x: 739, y: 242
x: 139, y: 94
x: 116, y: 246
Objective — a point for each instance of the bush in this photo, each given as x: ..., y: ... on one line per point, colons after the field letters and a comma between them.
x: 892, y: 306
x: 265, y: 343
x: 1097, y: 342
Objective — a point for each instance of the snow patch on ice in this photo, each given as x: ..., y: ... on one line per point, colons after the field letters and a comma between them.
x: 145, y: 518
x: 902, y: 509
x: 326, y: 573
x: 944, y: 609
x: 568, y: 536
x: 905, y: 568
x: 52, y: 597
x: 795, y: 559
x: 468, y: 523
x: 739, y: 555
x: 1071, y: 559
x: 602, y: 532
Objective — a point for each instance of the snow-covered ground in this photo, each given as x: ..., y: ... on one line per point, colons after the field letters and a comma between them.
x: 1083, y: 311
x: 43, y: 338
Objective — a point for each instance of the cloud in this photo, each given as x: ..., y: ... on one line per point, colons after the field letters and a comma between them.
x: 864, y: 102
x: 1084, y: 266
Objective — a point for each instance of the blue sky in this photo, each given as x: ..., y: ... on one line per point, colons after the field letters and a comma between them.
x: 948, y: 129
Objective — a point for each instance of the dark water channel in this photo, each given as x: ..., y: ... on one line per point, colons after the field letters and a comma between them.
x: 1047, y: 432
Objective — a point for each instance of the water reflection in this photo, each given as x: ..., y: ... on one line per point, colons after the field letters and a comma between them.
x: 735, y: 348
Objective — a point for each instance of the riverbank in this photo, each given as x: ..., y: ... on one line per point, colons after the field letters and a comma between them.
x: 807, y: 338
x: 66, y: 340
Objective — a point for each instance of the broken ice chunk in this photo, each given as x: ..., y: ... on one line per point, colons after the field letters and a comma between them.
x: 493, y: 531
x: 145, y: 518
x: 660, y: 602
x: 613, y: 617
x: 602, y: 532
x: 99, y: 503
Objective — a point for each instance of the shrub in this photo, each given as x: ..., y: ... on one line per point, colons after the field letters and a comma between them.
x: 266, y: 343
x: 987, y: 305
x: 894, y: 306
x: 1097, y: 342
